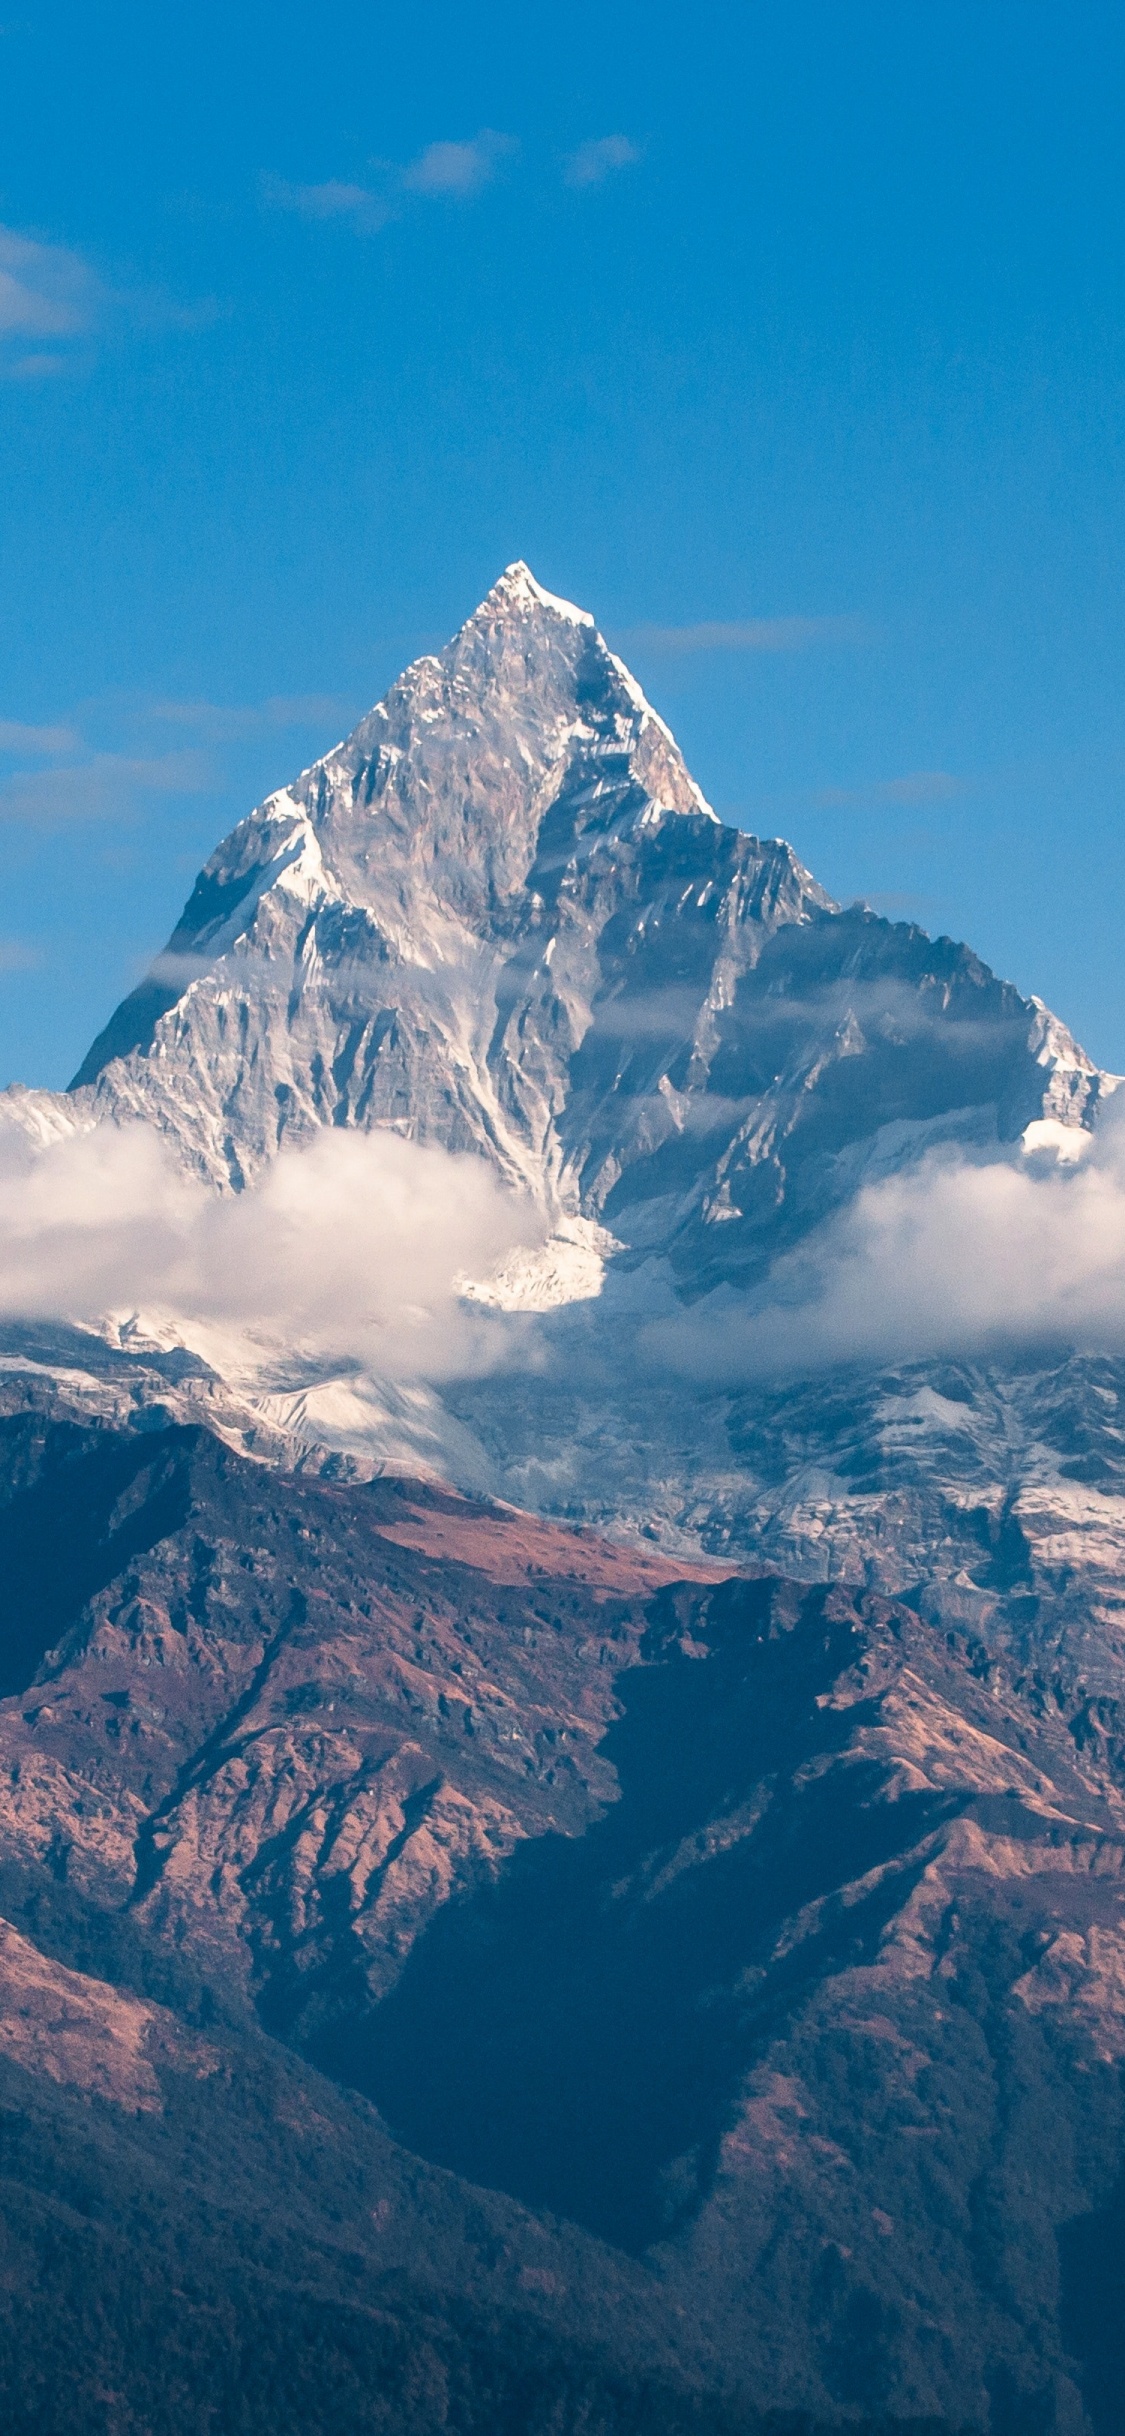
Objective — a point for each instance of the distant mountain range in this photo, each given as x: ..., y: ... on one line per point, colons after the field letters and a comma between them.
x: 653, y: 1792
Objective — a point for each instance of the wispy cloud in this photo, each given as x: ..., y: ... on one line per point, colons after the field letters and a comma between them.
x: 41, y: 367
x: 127, y: 755
x: 903, y: 905
x: 51, y: 293
x: 231, y: 722
x: 360, y: 207
x: 18, y: 956
x: 17, y: 737
x: 46, y: 292
x: 748, y: 634
x: 598, y: 157
x: 100, y: 786
x: 447, y: 171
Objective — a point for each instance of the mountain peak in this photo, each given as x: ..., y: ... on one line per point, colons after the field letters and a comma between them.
x: 516, y: 591
x: 501, y: 916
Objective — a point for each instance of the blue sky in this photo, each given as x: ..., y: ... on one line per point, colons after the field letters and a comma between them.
x: 790, y: 341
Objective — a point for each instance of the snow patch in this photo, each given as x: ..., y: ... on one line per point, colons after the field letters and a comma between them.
x: 1065, y: 1144
x: 569, y: 1268
x: 517, y: 583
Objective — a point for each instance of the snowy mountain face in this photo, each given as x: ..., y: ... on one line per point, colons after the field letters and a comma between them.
x: 409, y: 935
x: 501, y: 917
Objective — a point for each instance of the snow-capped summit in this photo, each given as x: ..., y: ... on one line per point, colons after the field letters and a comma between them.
x: 419, y: 930
x: 501, y: 916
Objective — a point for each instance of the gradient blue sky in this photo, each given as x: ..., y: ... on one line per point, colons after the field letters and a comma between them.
x: 788, y: 340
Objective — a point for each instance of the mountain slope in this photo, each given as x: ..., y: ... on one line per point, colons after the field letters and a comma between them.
x: 759, y: 1934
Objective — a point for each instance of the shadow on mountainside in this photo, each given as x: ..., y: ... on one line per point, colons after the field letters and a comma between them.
x: 576, y: 2034
x: 77, y: 1509
x: 1092, y: 2307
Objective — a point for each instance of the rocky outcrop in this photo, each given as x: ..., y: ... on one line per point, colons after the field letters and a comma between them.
x: 281, y: 1720
x: 85, y: 2034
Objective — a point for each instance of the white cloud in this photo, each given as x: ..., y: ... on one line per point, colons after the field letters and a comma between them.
x: 360, y: 207
x: 904, y: 905
x: 349, y: 1248
x: 18, y: 956
x: 46, y: 291
x: 598, y: 158
x: 459, y: 170
x: 36, y: 367
x: 69, y: 778
x: 954, y: 1255
x: 449, y: 171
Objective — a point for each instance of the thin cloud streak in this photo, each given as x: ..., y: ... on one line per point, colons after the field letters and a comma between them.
x: 229, y: 723
x: 903, y: 905
x: 17, y: 737
x: 336, y: 199
x: 914, y: 787
x: 767, y: 634
x: 460, y: 170
x: 46, y: 291
x: 19, y: 956
x: 79, y: 780
x: 38, y: 367
x: 51, y: 292
x: 106, y: 785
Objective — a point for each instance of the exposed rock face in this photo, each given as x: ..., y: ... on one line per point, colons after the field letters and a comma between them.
x: 255, y: 1709
x: 991, y: 1495
x: 78, y: 2030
